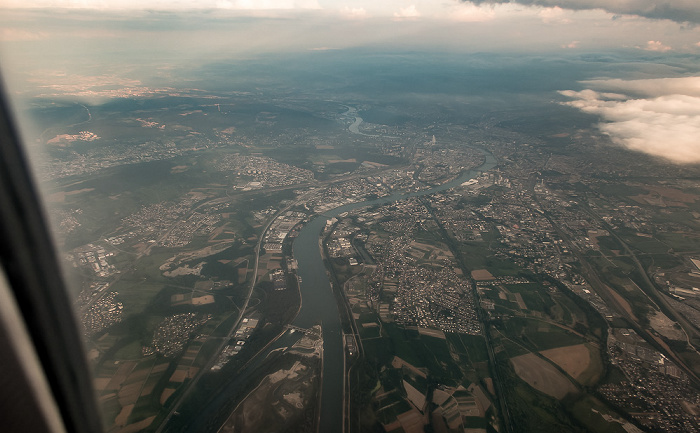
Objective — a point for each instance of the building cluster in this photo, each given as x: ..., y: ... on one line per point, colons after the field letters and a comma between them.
x: 655, y: 392
x: 415, y: 284
x: 340, y: 242
x: 279, y: 230
x: 92, y: 291
x: 94, y: 257
x: 406, y: 217
x: 66, y: 219
x: 173, y: 332
x: 155, y: 220
x: 577, y: 284
x: 690, y: 308
x: 526, y: 235
x: 341, y: 247
x: 459, y: 220
x: 120, y: 238
x: 578, y: 225
x: 168, y: 224
x: 262, y: 172
x: 182, y: 232
x: 350, y: 191
x: 103, y: 313
x: 439, y: 299
x: 80, y: 136
x: 279, y: 279
x: 440, y: 164
x: 98, y: 158
x: 402, y: 180
x: 247, y: 327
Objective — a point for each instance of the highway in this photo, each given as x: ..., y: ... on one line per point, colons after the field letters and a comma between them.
x: 609, y: 295
x: 224, y: 341
x: 305, y: 313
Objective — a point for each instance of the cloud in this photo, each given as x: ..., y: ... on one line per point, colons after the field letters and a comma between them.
x: 407, y: 13
x: 471, y: 13
x: 666, y: 123
x: 572, y: 44
x: 656, y: 46
x: 164, y: 4
x: 591, y: 95
x: 652, y: 87
x: 354, y: 13
x: 554, y: 15
x: 676, y: 10
x: 10, y: 34
x: 267, y: 4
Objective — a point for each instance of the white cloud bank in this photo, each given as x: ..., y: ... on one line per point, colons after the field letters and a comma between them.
x: 656, y: 46
x: 408, y: 12
x: 664, y: 122
x: 267, y: 4
x: 165, y: 4
x: 354, y: 13
x: 676, y: 10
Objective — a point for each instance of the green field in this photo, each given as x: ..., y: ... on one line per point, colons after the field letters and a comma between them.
x: 583, y: 411
x: 471, y: 347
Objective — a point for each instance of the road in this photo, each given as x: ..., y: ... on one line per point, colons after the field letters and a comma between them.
x: 505, y: 414
x: 687, y: 328
x: 190, y: 386
x: 301, y: 199
x: 659, y: 296
x: 607, y: 293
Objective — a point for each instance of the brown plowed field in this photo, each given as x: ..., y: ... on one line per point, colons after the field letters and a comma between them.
x: 572, y: 359
x: 542, y: 375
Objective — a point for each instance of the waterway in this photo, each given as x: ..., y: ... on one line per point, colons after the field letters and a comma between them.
x: 319, y: 306
x: 355, y: 126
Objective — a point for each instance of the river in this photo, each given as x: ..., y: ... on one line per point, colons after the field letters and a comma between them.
x: 319, y: 304
x: 355, y: 126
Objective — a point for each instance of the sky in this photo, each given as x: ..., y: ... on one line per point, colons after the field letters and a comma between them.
x: 523, y: 24
x: 677, y: 10
x: 72, y: 34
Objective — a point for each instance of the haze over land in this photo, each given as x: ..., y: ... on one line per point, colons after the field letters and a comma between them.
x: 97, y: 50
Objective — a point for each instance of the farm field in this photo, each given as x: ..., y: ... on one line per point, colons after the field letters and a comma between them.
x: 542, y: 376
x: 581, y: 362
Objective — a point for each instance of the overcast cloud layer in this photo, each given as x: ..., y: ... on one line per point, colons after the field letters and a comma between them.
x: 665, y: 123
x: 676, y: 10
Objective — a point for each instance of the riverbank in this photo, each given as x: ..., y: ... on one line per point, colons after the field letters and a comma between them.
x: 320, y: 303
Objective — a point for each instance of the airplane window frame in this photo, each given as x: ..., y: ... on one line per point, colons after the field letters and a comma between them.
x: 30, y: 263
